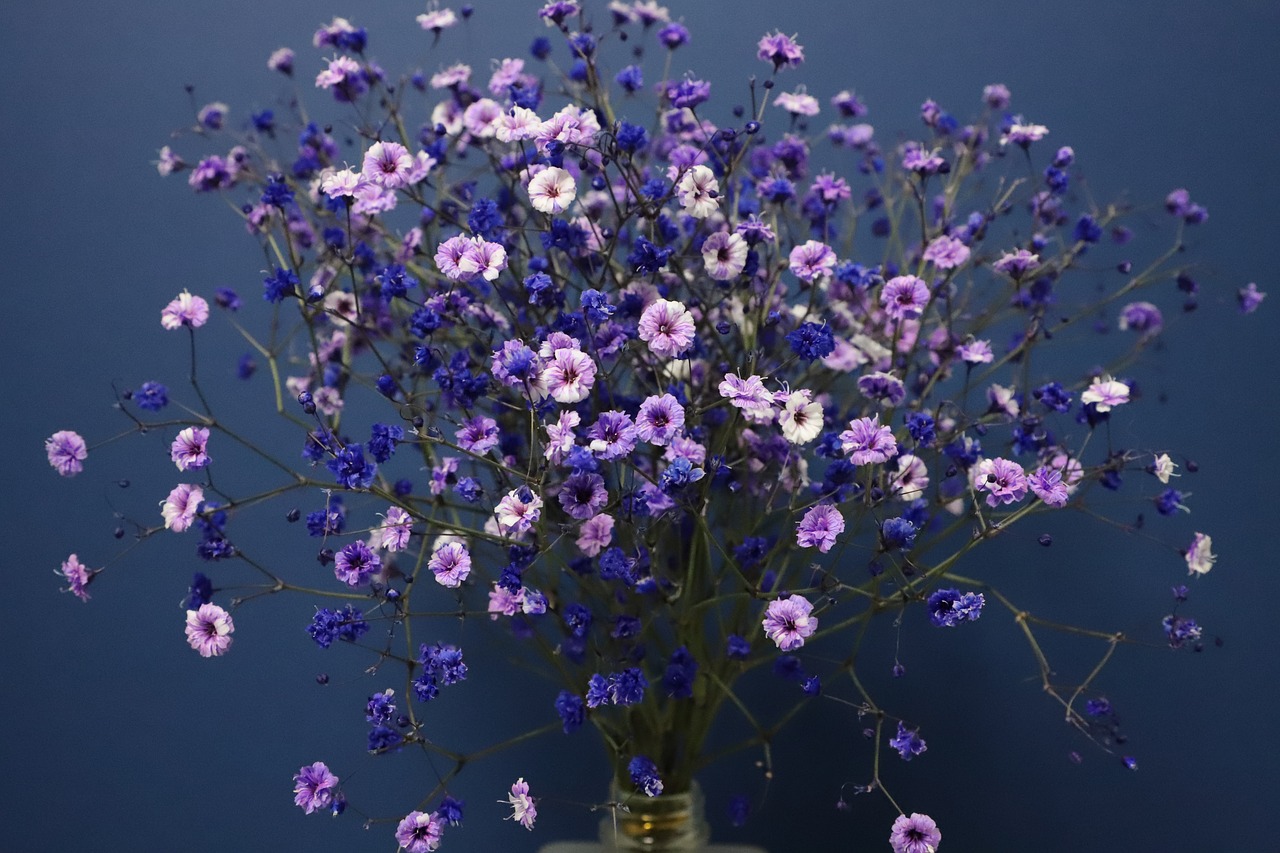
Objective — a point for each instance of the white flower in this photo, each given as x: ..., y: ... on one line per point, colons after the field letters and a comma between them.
x: 1200, y: 556
x: 697, y: 191
x: 1163, y: 468
x: 552, y: 190
x: 801, y: 417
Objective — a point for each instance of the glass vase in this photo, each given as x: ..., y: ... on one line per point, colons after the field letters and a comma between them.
x: 670, y: 822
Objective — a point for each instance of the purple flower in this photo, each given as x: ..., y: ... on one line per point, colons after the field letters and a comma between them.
x: 1200, y: 556
x: 189, y: 449
x: 78, y: 577
x: 1046, y: 484
x: 812, y: 260
x: 747, y: 394
x: 915, y: 834
x: 1017, y: 264
x: 996, y: 95
x: 179, y: 509
x: 209, y: 630
x: 787, y: 622
x: 975, y: 352
x: 1250, y: 298
x: 314, y: 787
x: 355, y: 564
x: 1141, y: 317
x: 781, y: 50
x: 904, y: 297
x: 518, y: 510
x: 867, y: 442
x: 820, y: 527
x: 1105, y: 393
x: 884, y: 387
x: 946, y: 253
x: 523, y: 810
x: 569, y: 376
x: 420, y: 832
x: 394, y: 532
x: 612, y: 436
x: 583, y: 495
x: 66, y: 451
x: 478, y: 435
x: 660, y: 419
x: 1004, y: 479
x: 450, y: 563
x: 908, y: 742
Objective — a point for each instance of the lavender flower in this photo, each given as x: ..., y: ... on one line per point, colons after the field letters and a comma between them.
x: 787, y: 622
x: 915, y: 834
x: 66, y: 451
x: 209, y: 630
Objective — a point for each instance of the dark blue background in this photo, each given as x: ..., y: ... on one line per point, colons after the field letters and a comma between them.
x: 116, y: 737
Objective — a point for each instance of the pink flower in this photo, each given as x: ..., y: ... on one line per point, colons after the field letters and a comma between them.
x: 484, y: 259
x: 179, y: 509
x: 799, y: 102
x: 396, y: 527
x: 480, y: 118
x: 552, y: 190
x: 812, y: 260
x: 911, y: 479
x: 185, y: 310
x: 516, y: 124
x: 387, y: 164
x: 1105, y: 393
x: 66, y: 451
x: 946, y: 253
x: 518, y: 510
x: 667, y: 327
x: 78, y: 577
x: 451, y: 564
x: 561, y: 437
x: 569, y: 375
x: 209, y: 630
x: 975, y: 352
x: 189, y: 450
x: 820, y: 527
x: 523, y: 810
x: 787, y: 622
x: 595, y: 534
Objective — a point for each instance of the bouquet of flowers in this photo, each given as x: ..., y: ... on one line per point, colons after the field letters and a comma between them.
x: 669, y: 404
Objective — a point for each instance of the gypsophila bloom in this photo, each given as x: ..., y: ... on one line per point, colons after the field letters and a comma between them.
x: 185, y: 310
x: 189, y: 450
x: 904, y: 297
x: 667, y: 327
x: 1046, y: 484
x: 420, y: 832
x: 394, y: 532
x: 314, y: 787
x: 787, y: 622
x: 697, y: 192
x: 799, y: 102
x: 1105, y: 393
x: 811, y: 261
x: 66, y: 451
x: 948, y: 608
x: 1250, y: 298
x: 1003, y: 480
x: 77, y: 576
x: 747, y: 394
x: 915, y: 834
x: 644, y: 775
x: 1163, y: 468
x: 1017, y: 264
x: 907, y: 742
x: 552, y: 190
x: 179, y: 509
x: 1200, y: 556
x: 820, y: 527
x: 355, y: 564
x: 1023, y: 134
x: 867, y: 442
x: 570, y: 375
x: 523, y: 810
x: 946, y: 253
x: 518, y: 510
x: 725, y: 255
x: 975, y: 352
x: 781, y: 50
x: 209, y: 630
x: 660, y: 420
x: 800, y: 418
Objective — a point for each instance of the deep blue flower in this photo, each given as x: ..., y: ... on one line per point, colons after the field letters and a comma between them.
x: 1053, y: 396
x: 424, y: 321
x: 739, y: 809
x: 279, y: 284
x: 908, y: 742
x: 277, y: 193
x: 352, y: 470
x: 625, y: 627
x: 921, y: 427
x: 450, y: 810
x: 577, y: 619
x: 382, y: 738
x: 681, y: 670
x: 540, y: 48
x: 1087, y: 230
x: 383, y: 440
x: 812, y: 686
x: 631, y: 137
x: 328, y: 625
x: 484, y: 217
x: 812, y: 341
x: 897, y: 533
x: 469, y: 489
x: 737, y: 648
x: 329, y: 521
x: 680, y: 473
x: 1169, y: 501
x: 673, y: 35
x: 948, y: 608
x: 597, y: 691
x: 631, y: 79
x: 1097, y: 707
x: 572, y: 711
x: 151, y: 396
x: 627, y: 687
x: 200, y: 592
x: 644, y: 775
x: 645, y: 257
